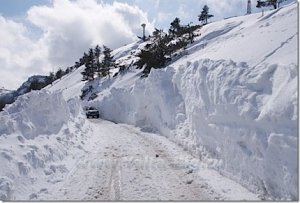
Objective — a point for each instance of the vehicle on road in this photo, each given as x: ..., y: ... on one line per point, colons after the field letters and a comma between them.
x: 92, y: 112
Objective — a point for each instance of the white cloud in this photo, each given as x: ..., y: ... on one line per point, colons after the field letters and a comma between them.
x: 188, y: 11
x: 71, y: 27
x: 17, y: 53
x: 68, y: 29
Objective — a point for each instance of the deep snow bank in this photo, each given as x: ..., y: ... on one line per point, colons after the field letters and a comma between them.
x: 246, y: 120
x: 35, y: 113
x: 39, y: 136
x: 241, y: 120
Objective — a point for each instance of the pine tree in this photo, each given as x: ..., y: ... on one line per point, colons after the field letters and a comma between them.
x: 59, y: 73
x: 153, y: 57
x: 191, y: 34
x: 97, y: 64
x: 175, y: 26
x: 157, y: 33
x: 204, y: 16
x: 97, y: 51
x: 107, y: 61
x: 92, y: 64
x: 68, y: 70
x: 82, y: 61
x: 50, y: 78
x: 273, y: 3
x: 89, y: 71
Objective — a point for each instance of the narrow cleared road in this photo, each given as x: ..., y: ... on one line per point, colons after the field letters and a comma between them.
x: 127, y: 164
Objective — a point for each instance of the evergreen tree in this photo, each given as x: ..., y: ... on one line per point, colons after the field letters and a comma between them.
x: 157, y: 33
x: 91, y: 64
x: 97, y: 51
x: 59, y: 73
x: 266, y: 3
x: 204, y: 16
x: 191, y: 34
x: 153, y: 57
x: 107, y: 61
x: 175, y: 26
x: 51, y: 77
x: 89, y: 71
x: 68, y: 70
x: 77, y: 64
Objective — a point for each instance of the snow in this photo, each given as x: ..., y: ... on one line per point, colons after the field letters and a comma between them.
x: 123, y: 165
x: 72, y: 158
x: 253, y: 39
x: 225, y: 113
x: 226, y: 107
x: 70, y: 85
x: 38, y: 146
x: 231, y: 100
x: 32, y: 120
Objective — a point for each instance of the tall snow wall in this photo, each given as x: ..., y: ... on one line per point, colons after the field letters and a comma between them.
x: 38, y: 133
x: 35, y: 113
x: 240, y: 120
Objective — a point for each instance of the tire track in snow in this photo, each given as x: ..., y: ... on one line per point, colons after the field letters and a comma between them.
x: 172, y: 182
x: 115, y: 182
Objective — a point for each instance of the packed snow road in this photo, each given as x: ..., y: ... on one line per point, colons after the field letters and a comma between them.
x: 125, y: 163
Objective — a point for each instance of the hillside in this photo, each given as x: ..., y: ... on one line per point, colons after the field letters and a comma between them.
x: 33, y: 83
x: 225, y: 107
x: 230, y: 99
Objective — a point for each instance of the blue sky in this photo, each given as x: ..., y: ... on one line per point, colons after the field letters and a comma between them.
x: 13, y: 8
x: 39, y: 36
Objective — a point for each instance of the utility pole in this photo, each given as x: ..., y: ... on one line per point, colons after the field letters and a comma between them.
x: 144, y: 37
x: 249, y: 7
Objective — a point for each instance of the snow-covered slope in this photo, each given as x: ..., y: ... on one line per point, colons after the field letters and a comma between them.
x: 70, y: 85
x: 253, y: 39
x: 231, y: 100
